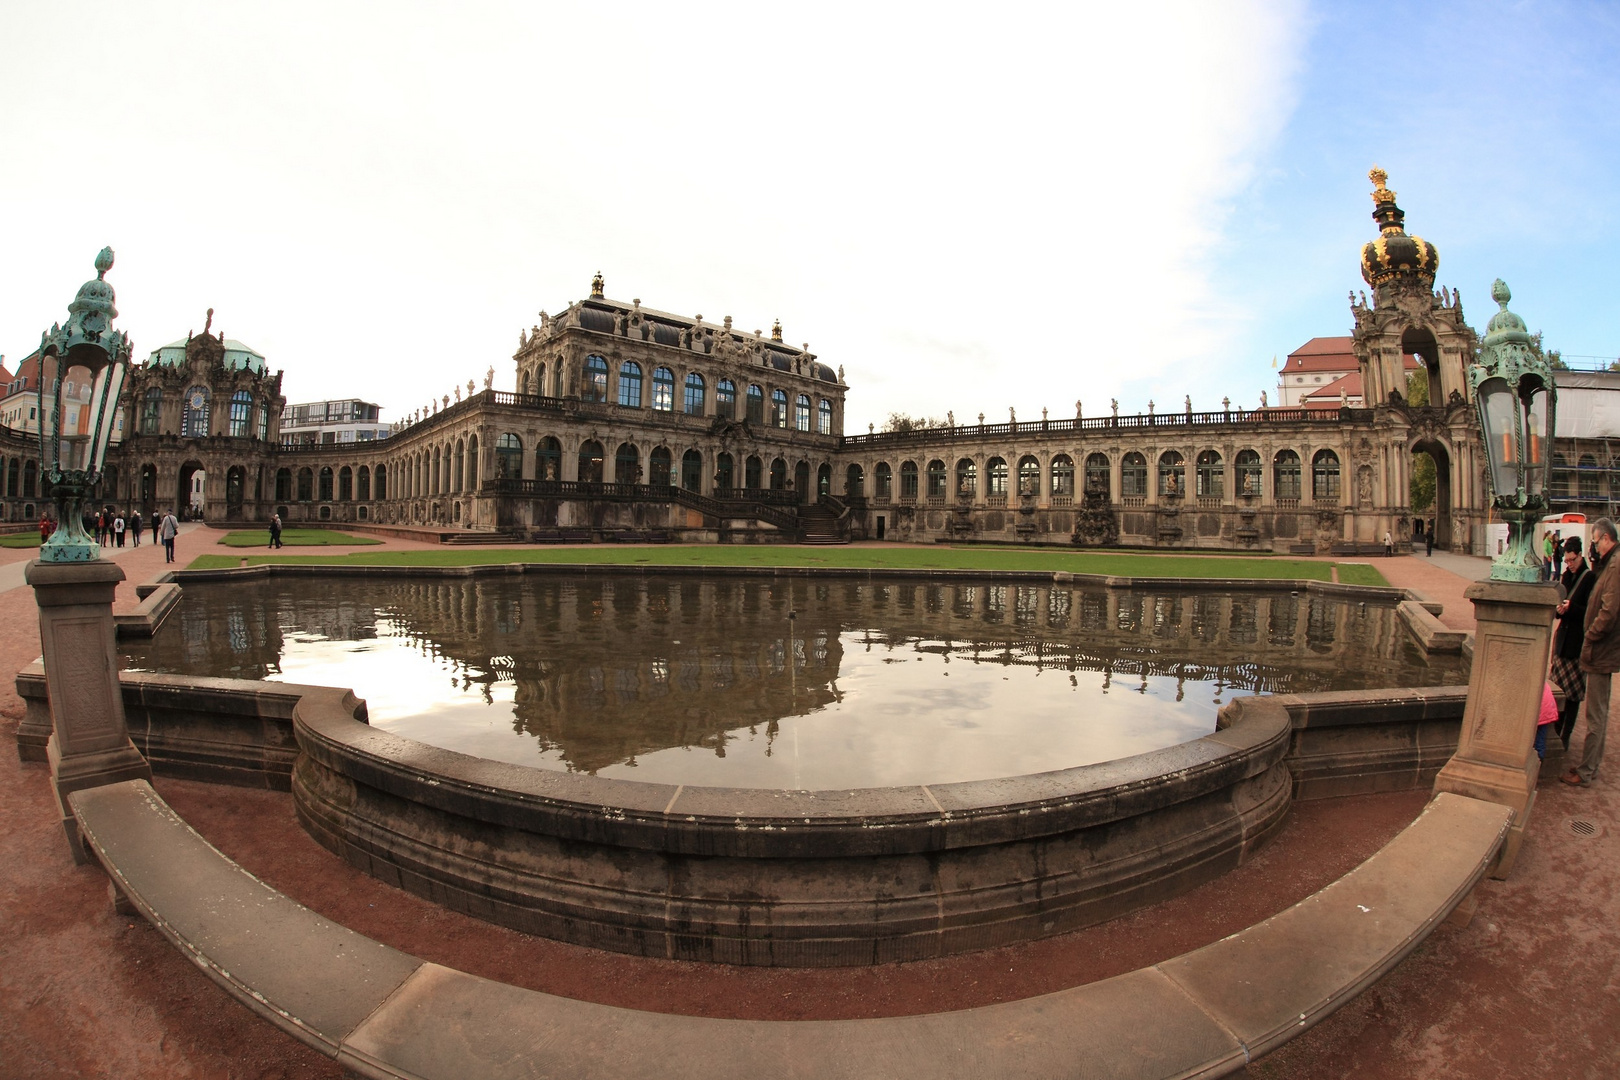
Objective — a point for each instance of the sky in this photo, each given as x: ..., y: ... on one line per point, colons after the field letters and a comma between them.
x: 967, y: 207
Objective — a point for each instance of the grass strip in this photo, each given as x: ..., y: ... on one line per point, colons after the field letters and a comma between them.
x: 296, y: 538
x: 921, y: 557
x: 20, y: 540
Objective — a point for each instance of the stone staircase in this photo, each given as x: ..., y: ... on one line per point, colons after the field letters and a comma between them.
x: 818, y: 524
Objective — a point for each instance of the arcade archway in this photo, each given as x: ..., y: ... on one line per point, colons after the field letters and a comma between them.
x: 1431, y: 490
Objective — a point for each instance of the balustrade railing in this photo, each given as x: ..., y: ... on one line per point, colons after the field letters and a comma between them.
x: 1104, y: 424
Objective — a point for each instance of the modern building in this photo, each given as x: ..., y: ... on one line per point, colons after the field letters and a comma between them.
x: 349, y: 420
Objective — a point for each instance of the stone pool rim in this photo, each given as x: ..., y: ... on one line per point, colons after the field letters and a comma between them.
x: 792, y: 877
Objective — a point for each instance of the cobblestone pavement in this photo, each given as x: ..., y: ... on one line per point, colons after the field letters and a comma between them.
x: 1530, y: 988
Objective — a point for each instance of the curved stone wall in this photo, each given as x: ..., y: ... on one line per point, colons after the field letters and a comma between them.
x: 792, y: 878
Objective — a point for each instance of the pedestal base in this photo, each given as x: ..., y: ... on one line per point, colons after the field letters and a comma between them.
x: 87, y: 771
x: 1498, y: 784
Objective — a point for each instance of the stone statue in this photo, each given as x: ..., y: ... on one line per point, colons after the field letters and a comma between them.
x: 209, y: 322
x: 1344, y: 398
x: 1189, y: 404
x: 1012, y: 415
x: 523, y: 338
x: 1043, y: 414
x: 840, y: 374
x: 1226, y: 404
x: 458, y: 393
x: 1113, y: 403
x: 544, y: 319
x: 1262, y: 399
x: 489, y: 377
x: 950, y: 418
x: 1150, y: 406
x: 1171, y: 484
x: 1077, y: 410
x: 470, y: 387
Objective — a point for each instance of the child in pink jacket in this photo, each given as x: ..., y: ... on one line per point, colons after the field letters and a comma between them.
x: 1549, y: 713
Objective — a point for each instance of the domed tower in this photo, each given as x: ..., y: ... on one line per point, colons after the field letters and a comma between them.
x: 1408, y: 318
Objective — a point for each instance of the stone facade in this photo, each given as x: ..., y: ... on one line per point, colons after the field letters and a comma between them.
x: 630, y: 418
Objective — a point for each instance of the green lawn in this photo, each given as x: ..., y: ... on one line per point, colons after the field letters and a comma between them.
x: 295, y: 538
x: 923, y: 557
x: 20, y: 540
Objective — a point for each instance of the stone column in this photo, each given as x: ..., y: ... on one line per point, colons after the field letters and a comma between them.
x: 89, y: 744
x: 1495, y: 760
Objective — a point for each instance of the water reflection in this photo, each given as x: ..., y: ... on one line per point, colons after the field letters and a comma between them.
x: 799, y: 683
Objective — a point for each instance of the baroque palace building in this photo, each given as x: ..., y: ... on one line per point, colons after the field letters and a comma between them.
x: 627, y: 420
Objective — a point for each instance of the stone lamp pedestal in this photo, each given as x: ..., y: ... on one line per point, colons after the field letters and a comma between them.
x: 1495, y: 760
x: 89, y: 744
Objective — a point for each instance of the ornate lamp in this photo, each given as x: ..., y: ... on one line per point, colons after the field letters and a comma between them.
x: 75, y: 429
x: 1516, y: 400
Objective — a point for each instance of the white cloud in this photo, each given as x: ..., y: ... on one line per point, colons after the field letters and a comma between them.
x: 966, y: 207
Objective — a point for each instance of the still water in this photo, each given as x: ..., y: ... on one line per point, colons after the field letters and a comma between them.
x: 786, y: 684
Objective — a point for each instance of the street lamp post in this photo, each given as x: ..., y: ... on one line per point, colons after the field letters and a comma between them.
x: 1513, y: 609
x: 89, y: 744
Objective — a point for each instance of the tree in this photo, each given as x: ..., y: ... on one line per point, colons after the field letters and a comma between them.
x: 1423, y: 467
x: 901, y: 422
x: 1554, y: 357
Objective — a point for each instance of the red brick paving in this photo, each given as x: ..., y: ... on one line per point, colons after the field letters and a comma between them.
x: 1528, y: 989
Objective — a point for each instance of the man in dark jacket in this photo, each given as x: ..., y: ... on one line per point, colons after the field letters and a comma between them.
x: 1600, y: 653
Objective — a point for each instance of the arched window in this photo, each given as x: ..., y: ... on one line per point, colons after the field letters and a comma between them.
x: 753, y: 472
x: 725, y: 399
x: 1285, y: 475
x: 756, y: 405
x: 908, y: 479
x: 548, y: 459
x: 382, y: 482
x: 627, y: 464
x: 779, y: 409
x: 660, y: 463
x: 345, y: 490
x: 1063, y: 475
x: 264, y: 423
x: 1325, y: 476
x: 437, y: 470
x: 1248, y: 468
x: 936, y: 479
x: 693, y: 400
x: 456, y: 467
x: 1172, y: 473
x: 594, y: 385
x: 692, y: 471
x: 884, y: 480
x: 509, y: 457
x: 630, y: 384
x: 824, y: 418
x: 306, y: 484
x: 725, y: 473
x: 801, y: 480
x: 472, y: 463
x: 590, y: 462
x: 241, y: 414
x: 194, y: 415
x: 1097, y: 478
x: 663, y: 398
x: 996, y: 473
x: 854, y: 482
x: 284, y: 488
x: 1029, y: 476
x: 151, y: 411
x: 823, y: 480
x: 967, y: 478
x: 1211, y: 477
x: 325, y: 493
x: 1133, y: 475
x: 778, y: 475
x: 363, y: 484
x: 30, y: 480
x: 801, y: 413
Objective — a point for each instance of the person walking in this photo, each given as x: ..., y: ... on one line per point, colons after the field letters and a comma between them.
x: 118, y: 530
x: 1428, y: 540
x: 45, y: 528
x: 1600, y: 653
x: 275, y: 530
x: 167, y: 530
x: 1570, y: 635
x: 135, y: 526
x: 1389, y: 545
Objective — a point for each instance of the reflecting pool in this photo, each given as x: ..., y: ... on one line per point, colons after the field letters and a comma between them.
x: 786, y: 683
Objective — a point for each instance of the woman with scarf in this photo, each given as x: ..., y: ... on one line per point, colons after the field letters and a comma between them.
x: 1570, y: 635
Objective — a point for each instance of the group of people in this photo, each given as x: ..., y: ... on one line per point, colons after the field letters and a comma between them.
x: 110, y: 526
x: 1586, y: 648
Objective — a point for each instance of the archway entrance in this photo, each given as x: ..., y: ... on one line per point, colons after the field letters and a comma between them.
x: 235, y: 482
x: 189, y: 501
x: 1430, y: 496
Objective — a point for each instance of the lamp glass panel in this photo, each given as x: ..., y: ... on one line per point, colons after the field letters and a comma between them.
x: 1537, y: 425
x: 1499, y: 416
